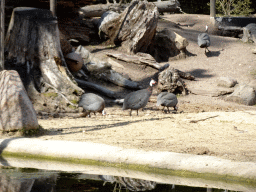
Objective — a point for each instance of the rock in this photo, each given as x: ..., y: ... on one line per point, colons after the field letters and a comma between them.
x: 254, y: 51
x: 169, y: 43
x: 249, y: 33
x: 17, y: 111
x: 243, y: 94
x: 226, y: 82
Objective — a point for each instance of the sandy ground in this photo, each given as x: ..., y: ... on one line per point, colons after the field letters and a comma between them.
x: 203, y: 125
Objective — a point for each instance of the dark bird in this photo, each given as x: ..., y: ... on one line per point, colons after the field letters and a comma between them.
x: 138, y: 99
x: 167, y: 100
x: 91, y: 103
x: 203, y: 40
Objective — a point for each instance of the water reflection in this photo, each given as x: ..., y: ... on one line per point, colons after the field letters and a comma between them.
x: 129, y: 183
x: 34, y: 180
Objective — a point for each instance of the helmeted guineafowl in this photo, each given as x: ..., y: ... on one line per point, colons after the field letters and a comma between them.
x: 203, y: 39
x: 167, y: 100
x: 138, y: 99
x: 91, y: 103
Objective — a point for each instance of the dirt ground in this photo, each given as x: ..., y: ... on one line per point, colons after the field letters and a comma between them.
x: 203, y: 125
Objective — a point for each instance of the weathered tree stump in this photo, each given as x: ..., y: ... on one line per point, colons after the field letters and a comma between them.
x: 32, y: 47
x: 134, y: 28
x: 170, y: 80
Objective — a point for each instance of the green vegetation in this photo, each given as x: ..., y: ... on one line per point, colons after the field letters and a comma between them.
x: 50, y: 94
x: 26, y: 132
x: 234, y: 7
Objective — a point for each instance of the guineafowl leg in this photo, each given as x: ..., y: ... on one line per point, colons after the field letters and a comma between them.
x: 168, y: 109
x: 137, y: 112
x: 131, y: 113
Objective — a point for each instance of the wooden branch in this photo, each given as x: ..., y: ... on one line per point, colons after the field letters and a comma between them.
x: 96, y: 87
x: 135, y: 59
x: 99, y: 9
x: 185, y: 75
x: 119, y: 80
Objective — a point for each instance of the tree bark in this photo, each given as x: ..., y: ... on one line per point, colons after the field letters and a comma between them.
x: 33, y: 49
x: 99, y: 9
x: 139, y: 58
x: 170, y: 80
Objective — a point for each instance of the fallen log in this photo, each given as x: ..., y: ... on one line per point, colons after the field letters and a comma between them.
x: 98, y: 88
x: 140, y: 59
x: 99, y: 9
x: 118, y: 79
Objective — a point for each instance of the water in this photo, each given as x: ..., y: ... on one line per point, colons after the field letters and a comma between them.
x: 35, y: 180
x: 25, y: 175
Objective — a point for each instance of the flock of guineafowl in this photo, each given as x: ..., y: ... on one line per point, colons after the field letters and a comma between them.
x: 136, y: 100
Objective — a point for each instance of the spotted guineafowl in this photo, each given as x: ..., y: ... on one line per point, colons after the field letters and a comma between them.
x: 203, y: 39
x: 138, y: 99
x: 167, y: 100
x: 91, y: 103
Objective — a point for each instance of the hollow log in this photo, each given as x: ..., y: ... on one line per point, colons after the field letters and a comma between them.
x: 99, y: 9
x: 32, y: 47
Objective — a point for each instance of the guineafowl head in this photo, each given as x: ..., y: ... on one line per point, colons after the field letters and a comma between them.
x: 152, y: 82
x: 206, y: 28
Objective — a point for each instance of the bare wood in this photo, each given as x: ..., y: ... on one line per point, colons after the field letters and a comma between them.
x: 32, y: 40
x: 119, y: 80
x: 96, y: 87
x: 99, y: 9
x: 53, y: 6
x: 2, y: 8
x: 56, y: 90
x: 185, y: 75
x: 167, y: 6
x: 169, y: 80
x: 137, y: 59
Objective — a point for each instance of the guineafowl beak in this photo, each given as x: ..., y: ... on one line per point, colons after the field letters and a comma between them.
x: 152, y: 82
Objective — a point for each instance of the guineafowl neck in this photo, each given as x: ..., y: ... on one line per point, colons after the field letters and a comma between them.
x: 150, y: 89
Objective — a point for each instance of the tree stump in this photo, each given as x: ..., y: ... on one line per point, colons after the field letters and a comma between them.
x: 134, y: 28
x: 32, y: 47
x: 170, y: 80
